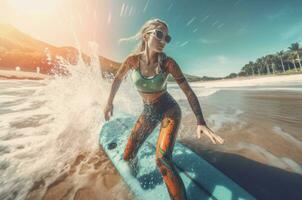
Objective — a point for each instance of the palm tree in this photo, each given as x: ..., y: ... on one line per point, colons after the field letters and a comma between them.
x: 280, y: 54
x: 263, y: 65
x: 276, y: 64
x: 259, y: 65
x: 272, y: 60
x: 245, y: 69
x: 268, y: 62
x: 251, y: 66
x: 295, y: 47
x: 286, y: 60
x: 291, y: 58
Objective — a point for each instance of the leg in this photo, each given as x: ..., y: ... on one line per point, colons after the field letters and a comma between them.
x: 164, y: 148
x: 144, y: 125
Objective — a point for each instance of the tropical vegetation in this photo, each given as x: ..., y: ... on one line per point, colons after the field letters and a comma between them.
x: 282, y: 62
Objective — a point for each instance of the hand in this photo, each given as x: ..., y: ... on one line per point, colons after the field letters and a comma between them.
x: 206, y: 130
x: 108, y: 111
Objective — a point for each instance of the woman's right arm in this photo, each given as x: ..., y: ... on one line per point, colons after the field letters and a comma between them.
x: 122, y: 71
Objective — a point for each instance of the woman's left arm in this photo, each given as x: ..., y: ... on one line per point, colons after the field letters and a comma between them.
x: 174, y: 69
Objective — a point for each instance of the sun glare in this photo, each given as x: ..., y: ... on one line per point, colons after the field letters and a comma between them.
x: 34, y: 5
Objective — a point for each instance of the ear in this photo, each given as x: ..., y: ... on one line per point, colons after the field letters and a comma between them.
x: 146, y: 37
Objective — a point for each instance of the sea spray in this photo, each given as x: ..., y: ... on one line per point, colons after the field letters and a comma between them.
x: 56, y: 120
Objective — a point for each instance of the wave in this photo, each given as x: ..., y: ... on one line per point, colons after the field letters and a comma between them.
x: 219, y: 119
x: 46, y: 124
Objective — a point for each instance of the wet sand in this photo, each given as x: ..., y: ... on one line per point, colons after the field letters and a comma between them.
x: 262, y: 151
x: 263, y: 140
x: 91, y: 176
x: 249, y: 171
x: 261, y: 132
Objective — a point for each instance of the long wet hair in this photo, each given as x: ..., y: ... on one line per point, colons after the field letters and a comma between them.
x: 148, y: 25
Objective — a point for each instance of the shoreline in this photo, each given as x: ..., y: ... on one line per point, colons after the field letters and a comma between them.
x: 249, y: 81
x: 20, y: 75
x: 223, y: 83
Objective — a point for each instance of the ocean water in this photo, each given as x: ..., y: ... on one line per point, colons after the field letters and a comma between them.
x: 45, y: 125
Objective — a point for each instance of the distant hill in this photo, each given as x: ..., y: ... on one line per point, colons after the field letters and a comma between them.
x: 20, y: 49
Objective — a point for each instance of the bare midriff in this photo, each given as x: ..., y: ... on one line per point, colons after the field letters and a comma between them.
x: 150, y: 98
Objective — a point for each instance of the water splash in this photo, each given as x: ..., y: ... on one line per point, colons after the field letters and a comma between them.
x: 46, y: 124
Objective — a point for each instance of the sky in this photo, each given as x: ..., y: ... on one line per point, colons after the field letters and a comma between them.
x: 209, y: 37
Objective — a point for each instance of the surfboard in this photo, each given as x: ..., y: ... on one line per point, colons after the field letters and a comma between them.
x: 201, y: 179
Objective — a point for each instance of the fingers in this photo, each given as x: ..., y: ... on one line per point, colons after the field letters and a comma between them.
x: 208, y: 132
x: 214, y: 138
x: 218, y: 138
x: 108, y: 111
x: 107, y: 116
x: 198, y: 134
x: 111, y: 112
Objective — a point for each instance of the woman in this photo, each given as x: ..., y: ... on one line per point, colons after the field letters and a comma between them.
x: 150, y: 68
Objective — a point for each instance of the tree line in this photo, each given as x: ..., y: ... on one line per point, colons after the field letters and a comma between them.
x: 280, y: 62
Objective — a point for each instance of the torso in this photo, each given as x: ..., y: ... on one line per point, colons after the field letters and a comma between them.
x: 151, y: 98
x: 148, y: 72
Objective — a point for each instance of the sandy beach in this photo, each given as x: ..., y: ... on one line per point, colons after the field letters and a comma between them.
x: 234, y: 82
x: 259, y: 122
x: 250, y: 81
x: 91, y: 176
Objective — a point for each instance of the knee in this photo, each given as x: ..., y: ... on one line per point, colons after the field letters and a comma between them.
x: 175, y: 114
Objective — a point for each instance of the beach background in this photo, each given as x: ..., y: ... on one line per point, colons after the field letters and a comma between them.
x: 57, y: 61
x: 49, y: 134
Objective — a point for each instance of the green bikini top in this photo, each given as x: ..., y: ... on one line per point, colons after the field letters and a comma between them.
x: 152, y: 84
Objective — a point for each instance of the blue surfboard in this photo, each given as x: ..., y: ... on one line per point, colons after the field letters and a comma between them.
x: 201, y: 179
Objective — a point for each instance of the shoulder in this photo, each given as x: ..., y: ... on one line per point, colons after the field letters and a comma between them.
x: 170, y: 63
x: 132, y: 60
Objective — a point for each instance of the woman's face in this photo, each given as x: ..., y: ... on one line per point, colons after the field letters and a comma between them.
x: 155, y: 44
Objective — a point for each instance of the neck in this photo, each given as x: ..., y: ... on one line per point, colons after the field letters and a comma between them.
x: 150, y: 56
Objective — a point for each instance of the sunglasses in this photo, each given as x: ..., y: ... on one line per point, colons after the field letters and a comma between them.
x: 160, y: 35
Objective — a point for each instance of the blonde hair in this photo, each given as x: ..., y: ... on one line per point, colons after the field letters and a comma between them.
x: 148, y: 25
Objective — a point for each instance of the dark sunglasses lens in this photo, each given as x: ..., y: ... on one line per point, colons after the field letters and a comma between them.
x: 168, y: 38
x: 159, y: 34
